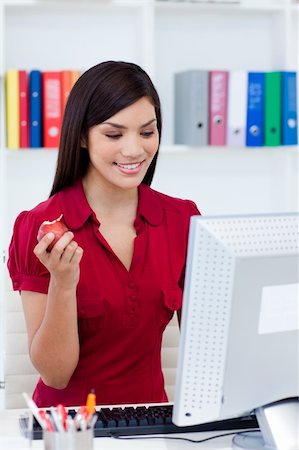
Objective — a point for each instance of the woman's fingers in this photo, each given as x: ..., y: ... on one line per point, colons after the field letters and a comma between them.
x: 63, y: 260
x: 62, y: 251
x: 43, y: 244
x: 61, y: 244
x: 77, y: 255
x: 72, y: 253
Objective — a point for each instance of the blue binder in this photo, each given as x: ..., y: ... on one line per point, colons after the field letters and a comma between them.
x: 35, y: 108
x: 289, y: 125
x: 255, y: 109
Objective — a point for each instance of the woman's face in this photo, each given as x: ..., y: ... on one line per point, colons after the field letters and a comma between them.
x: 122, y: 148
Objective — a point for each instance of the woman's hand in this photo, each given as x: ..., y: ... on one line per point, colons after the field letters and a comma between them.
x: 62, y: 261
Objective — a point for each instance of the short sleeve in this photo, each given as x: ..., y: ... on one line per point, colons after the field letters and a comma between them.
x: 194, y: 211
x: 26, y: 271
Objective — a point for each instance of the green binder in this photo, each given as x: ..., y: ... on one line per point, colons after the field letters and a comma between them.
x: 272, y: 108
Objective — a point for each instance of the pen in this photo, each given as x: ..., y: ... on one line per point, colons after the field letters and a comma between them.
x: 92, y: 421
x: 62, y: 415
x: 56, y: 420
x: 47, y: 419
x: 81, y: 416
x: 70, y: 424
x: 35, y: 411
x: 91, y: 402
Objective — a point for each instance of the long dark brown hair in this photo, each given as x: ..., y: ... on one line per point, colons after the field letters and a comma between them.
x: 98, y: 94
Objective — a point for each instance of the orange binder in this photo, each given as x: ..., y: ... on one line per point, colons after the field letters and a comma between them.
x: 75, y: 75
x: 66, y: 86
x: 68, y: 79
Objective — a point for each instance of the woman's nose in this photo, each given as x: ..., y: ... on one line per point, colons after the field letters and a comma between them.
x: 132, y: 147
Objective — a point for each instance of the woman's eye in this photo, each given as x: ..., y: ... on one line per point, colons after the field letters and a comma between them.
x: 113, y: 136
x: 147, y: 133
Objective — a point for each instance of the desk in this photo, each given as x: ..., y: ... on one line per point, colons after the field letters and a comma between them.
x: 11, y: 439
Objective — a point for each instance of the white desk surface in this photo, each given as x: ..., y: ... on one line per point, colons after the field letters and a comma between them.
x: 11, y: 439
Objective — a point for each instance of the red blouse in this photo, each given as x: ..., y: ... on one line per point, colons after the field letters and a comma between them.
x: 121, y: 314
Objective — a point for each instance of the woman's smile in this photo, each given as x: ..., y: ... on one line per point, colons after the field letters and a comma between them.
x: 129, y: 168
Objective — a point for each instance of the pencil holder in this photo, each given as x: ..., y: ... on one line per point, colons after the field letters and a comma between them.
x: 68, y: 440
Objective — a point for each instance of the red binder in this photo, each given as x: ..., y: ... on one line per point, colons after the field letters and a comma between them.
x: 218, y: 107
x: 24, y: 108
x: 52, y: 115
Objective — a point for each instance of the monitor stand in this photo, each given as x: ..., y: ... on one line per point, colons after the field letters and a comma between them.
x: 278, y: 423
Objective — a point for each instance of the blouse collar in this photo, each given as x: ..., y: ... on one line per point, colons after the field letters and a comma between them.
x: 76, y: 209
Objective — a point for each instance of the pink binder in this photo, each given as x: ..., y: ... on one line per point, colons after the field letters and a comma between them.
x: 218, y: 107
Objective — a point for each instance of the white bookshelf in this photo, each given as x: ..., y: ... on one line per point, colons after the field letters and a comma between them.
x: 164, y: 37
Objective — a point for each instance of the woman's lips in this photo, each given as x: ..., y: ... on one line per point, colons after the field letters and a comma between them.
x: 129, y: 168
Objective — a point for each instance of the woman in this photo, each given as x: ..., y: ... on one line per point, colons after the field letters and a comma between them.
x: 97, y: 304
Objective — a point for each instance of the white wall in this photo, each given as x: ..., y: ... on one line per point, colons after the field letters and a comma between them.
x: 230, y: 181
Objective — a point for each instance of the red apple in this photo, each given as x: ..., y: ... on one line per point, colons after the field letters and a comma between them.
x: 56, y: 226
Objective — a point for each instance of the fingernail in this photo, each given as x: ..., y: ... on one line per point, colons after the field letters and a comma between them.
x: 50, y: 235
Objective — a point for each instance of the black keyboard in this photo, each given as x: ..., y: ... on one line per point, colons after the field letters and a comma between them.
x: 156, y: 419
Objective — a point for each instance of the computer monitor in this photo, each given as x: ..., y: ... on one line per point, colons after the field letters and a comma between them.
x: 238, y: 351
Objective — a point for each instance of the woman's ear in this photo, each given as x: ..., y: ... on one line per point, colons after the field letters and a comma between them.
x: 83, y: 143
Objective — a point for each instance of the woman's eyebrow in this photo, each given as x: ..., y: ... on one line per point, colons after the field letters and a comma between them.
x: 148, y: 123
x: 117, y: 125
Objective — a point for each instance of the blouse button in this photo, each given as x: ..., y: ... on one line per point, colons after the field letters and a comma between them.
x: 131, y: 285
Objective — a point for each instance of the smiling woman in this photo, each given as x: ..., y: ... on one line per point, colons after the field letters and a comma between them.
x: 122, y: 148
x: 97, y: 304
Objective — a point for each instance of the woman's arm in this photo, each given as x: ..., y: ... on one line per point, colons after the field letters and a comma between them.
x: 52, y: 319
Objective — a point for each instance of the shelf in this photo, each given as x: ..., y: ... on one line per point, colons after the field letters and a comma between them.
x: 46, y: 3
x: 292, y: 149
x: 30, y: 152
x: 231, y: 8
x: 53, y: 152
